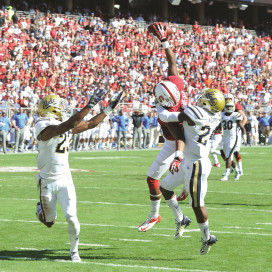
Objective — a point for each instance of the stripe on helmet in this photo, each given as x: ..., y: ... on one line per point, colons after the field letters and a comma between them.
x: 169, y: 92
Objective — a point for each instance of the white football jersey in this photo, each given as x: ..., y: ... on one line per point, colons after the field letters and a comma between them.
x: 52, y: 159
x: 198, y: 137
x: 229, y: 124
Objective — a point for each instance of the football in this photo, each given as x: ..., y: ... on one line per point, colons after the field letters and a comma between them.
x: 165, y: 25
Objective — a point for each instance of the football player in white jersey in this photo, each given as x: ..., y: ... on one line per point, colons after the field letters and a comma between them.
x: 237, y: 155
x: 230, y: 123
x: 199, y: 123
x: 54, y: 179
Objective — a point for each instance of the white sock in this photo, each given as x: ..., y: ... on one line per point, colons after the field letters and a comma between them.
x: 173, y: 204
x: 237, y: 169
x: 205, y: 232
x: 155, y: 207
x: 215, y: 159
x: 74, y: 230
x: 227, y: 171
x: 240, y: 166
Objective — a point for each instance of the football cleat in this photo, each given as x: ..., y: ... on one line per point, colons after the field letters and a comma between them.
x: 149, y: 223
x: 224, y: 178
x: 182, y: 196
x: 181, y: 226
x: 241, y: 172
x: 206, y: 246
x: 75, y: 257
x: 237, y: 175
x: 217, y: 165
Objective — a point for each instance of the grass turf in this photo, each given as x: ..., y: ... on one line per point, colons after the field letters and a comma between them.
x: 113, y: 199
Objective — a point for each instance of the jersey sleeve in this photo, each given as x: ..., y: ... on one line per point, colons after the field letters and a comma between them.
x: 167, y: 116
x: 238, y: 116
x: 42, y: 123
x: 177, y: 81
x: 238, y: 107
x: 197, y: 115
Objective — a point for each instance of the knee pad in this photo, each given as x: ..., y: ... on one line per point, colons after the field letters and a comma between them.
x: 73, y: 225
x: 153, y: 184
x: 237, y: 156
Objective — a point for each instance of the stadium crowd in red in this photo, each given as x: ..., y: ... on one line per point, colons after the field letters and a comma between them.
x: 70, y: 57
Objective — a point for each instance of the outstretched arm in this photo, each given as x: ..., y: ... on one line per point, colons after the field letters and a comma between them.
x: 55, y: 130
x: 85, y: 125
x: 160, y: 31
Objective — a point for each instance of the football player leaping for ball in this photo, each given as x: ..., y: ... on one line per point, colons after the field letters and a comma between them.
x: 170, y: 94
x: 199, y: 123
x: 54, y: 179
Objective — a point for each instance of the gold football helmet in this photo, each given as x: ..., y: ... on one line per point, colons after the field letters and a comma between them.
x: 212, y: 100
x: 53, y: 106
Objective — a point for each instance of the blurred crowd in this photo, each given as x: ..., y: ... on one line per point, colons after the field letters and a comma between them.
x: 74, y: 56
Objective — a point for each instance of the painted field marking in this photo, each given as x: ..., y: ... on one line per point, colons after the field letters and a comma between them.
x: 110, y: 264
x: 134, y: 227
x: 263, y: 223
x: 144, y: 205
x: 92, y: 245
x: 131, y: 240
x: 168, y: 235
x: 105, y: 158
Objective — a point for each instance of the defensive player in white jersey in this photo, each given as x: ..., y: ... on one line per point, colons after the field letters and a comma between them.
x: 199, y: 123
x: 54, y: 179
x: 237, y: 155
x: 230, y: 123
x: 171, y: 95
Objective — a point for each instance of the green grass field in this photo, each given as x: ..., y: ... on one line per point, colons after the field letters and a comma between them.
x: 113, y: 199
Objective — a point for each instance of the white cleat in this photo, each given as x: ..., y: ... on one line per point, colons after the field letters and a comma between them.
x: 149, y: 223
x: 224, y: 178
x: 181, y: 226
x: 237, y: 176
x: 75, y: 257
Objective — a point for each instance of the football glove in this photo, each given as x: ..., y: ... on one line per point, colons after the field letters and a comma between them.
x: 160, y: 32
x: 113, y: 103
x: 174, y: 167
x: 96, y: 97
x: 182, y: 196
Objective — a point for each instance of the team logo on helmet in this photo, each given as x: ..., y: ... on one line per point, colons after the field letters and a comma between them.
x: 212, y: 98
x: 50, y: 102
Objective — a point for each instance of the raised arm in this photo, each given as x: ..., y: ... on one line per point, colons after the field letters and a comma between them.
x: 85, y: 125
x: 55, y: 130
x: 161, y: 31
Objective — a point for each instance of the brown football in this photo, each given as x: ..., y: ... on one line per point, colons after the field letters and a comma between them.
x: 165, y: 25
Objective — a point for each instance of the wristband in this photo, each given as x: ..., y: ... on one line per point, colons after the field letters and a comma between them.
x: 166, y: 44
x: 179, y: 154
x: 108, y: 110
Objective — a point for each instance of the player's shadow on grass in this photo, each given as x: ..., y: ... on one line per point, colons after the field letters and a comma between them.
x: 53, y: 255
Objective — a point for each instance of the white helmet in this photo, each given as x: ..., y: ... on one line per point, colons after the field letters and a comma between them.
x: 229, y: 107
x: 167, y: 93
x: 229, y: 97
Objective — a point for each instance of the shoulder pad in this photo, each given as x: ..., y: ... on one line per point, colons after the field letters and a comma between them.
x: 196, y: 114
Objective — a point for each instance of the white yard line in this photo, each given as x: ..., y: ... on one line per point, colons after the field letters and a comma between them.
x: 131, y: 240
x: 145, y: 267
x: 92, y: 245
x: 263, y: 223
x: 142, y: 205
x: 134, y: 227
